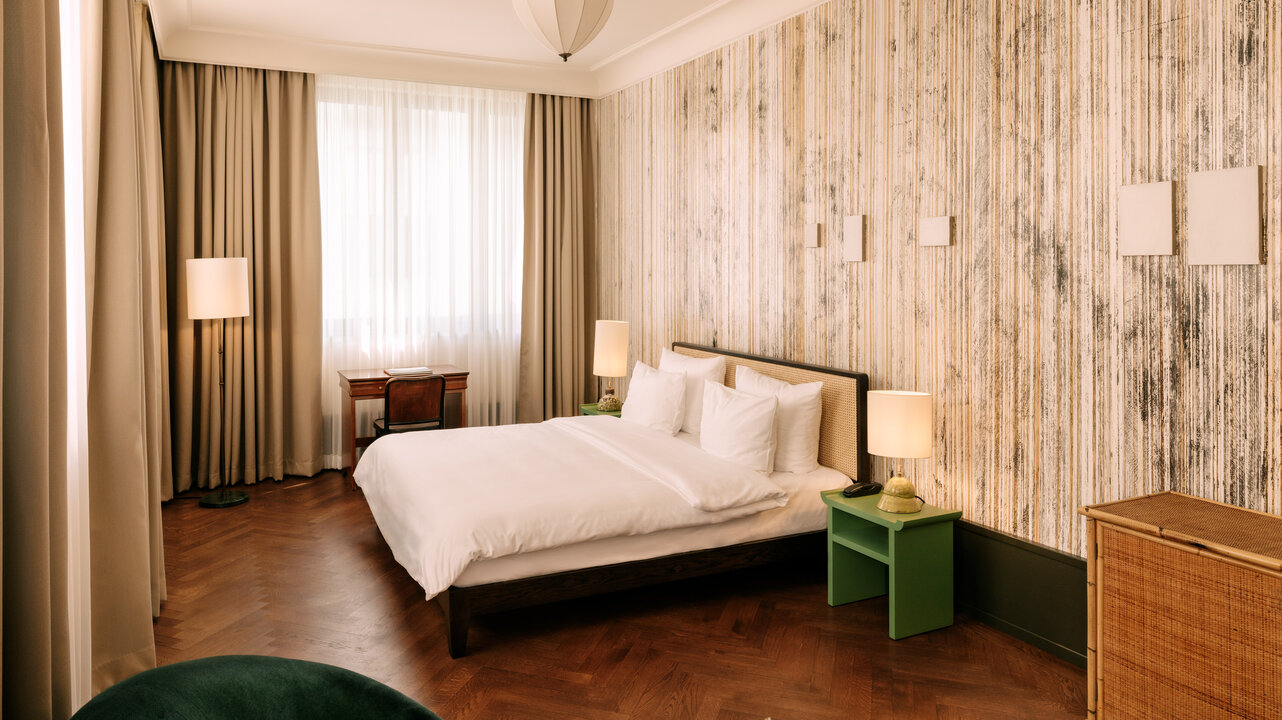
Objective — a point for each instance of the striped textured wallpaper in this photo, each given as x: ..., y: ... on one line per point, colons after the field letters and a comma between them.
x: 1063, y: 373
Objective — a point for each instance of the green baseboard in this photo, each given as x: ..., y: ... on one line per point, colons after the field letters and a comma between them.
x: 1026, y: 590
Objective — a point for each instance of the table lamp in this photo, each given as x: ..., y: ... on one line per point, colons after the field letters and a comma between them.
x: 899, y: 427
x: 218, y: 288
x: 610, y: 359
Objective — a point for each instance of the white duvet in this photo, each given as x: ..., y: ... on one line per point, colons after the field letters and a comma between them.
x: 445, y: 498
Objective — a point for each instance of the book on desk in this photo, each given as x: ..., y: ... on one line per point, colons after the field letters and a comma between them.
x: 401, y: 372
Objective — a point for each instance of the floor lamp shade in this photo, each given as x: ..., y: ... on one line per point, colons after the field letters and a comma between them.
x: 564, y: 26
x: 610, y: 353
x: 900, y: 424
x: 217, y: 288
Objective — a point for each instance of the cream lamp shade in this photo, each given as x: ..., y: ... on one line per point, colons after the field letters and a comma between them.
x: 899, y: 424
x: 564, y: 26
x: 217, y: 288
x: 610, y: 353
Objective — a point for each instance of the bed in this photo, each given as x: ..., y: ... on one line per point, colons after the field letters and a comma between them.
x: 478, y: 543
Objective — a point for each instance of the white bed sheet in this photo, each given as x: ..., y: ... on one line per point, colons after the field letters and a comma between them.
x: 805, y: 512
x: 448, y: 498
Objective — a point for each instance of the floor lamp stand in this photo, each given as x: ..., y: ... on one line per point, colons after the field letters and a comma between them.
x: 225, y: 497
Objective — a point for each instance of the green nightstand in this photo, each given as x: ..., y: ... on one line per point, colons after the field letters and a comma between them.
x: 910, y: 556
x: 590, y: 409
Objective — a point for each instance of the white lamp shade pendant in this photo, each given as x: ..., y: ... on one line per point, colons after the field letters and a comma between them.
x: 564, y: 26
x: 217, y: 288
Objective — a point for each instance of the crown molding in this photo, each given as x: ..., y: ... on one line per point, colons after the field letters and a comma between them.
x: 294, y: 54
x: 714, y: 27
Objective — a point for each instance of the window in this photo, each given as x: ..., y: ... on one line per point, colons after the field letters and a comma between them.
x: 422, y: 237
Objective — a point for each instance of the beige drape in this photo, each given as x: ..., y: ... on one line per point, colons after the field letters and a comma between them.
x: 557, y: 308
x: 128, y: 413
x: 35, y: 665
x: 242, y: 180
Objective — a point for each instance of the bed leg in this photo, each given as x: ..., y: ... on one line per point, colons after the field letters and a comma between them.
x: 454, y: 602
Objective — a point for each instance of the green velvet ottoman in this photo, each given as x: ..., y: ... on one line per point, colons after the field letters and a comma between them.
x: 250, y: 686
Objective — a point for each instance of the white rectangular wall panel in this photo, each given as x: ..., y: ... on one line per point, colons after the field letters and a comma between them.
x: 852, y: 239
x: 935, y: 231
x: 1145, y: 224
x: 812, y: 235
x: 1224, y: 217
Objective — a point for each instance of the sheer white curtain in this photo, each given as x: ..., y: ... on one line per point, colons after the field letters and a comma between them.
x: 421, y: 227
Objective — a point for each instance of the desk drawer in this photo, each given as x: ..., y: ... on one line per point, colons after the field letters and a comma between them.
x: 368, y: 388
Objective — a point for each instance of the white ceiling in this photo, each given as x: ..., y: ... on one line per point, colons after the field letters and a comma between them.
x: 461, y: 42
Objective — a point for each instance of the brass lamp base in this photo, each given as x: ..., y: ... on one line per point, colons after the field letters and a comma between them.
x: 899, y: 496
x: 609, y: 402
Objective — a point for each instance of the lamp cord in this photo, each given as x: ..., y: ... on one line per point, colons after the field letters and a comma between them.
x: 222, y: 406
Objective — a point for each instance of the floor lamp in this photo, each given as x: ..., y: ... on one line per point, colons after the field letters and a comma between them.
x: 218, y: 288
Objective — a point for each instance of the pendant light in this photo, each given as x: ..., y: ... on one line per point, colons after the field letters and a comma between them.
x: 565, y: 26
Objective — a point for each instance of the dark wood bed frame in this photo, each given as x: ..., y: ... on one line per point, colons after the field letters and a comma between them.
x: 461, y: 603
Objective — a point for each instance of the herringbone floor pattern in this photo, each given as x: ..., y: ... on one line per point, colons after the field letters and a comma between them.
x: 301, y: 571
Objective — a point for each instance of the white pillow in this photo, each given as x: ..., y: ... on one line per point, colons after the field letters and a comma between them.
x: 738, y: 427
x: 696, y: 371
x: 655, y: 399
x: 796, y: 422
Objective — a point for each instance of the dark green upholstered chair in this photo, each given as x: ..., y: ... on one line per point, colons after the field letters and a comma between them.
x: 247, y: 687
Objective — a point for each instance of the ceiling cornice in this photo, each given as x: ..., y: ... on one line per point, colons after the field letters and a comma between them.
x: 714, y: 27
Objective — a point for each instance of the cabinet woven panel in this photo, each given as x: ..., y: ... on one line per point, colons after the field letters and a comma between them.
x: 839, y: 436
x: 1208, y: 522
x: 1185, y: 634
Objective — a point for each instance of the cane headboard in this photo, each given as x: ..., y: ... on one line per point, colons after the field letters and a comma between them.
x: 843, y: 431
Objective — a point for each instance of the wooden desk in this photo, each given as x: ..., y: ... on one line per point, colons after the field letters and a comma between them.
x: 369, y: 384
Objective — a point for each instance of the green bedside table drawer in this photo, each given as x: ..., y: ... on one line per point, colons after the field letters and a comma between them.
x: 590, y: 409
x: 908, y: 556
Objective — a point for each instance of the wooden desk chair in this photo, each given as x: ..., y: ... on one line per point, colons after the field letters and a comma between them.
x: 412, y: 403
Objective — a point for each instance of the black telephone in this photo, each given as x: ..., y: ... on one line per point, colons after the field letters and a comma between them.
x: 860, y: 489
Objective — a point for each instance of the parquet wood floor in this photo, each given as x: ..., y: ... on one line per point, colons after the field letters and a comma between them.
x: 301, y: 571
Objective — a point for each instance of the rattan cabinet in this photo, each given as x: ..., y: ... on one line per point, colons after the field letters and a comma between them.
x: 1185, y: 610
